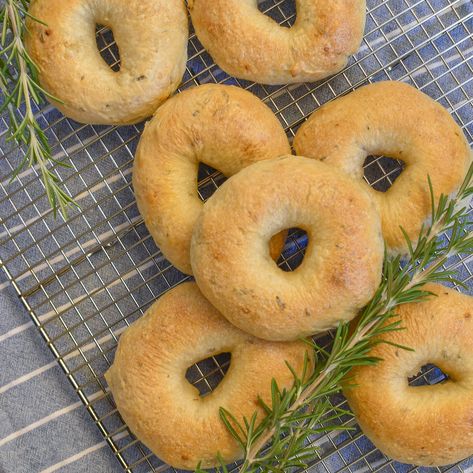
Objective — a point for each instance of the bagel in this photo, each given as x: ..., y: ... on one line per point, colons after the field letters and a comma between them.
x: 163, y: 409
x: 342, y: 266
x: 222, y: 126
x: 249, y: 45
x: 423, y: 425
x: 151, y: 36
x: 397, y: 120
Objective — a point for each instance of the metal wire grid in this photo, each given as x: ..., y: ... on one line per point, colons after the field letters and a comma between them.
x: 85, y: 280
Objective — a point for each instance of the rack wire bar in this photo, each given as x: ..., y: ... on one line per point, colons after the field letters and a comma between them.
x: 85, y: 280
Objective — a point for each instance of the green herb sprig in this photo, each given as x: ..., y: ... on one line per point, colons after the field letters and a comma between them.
x: 19, y: 84
x: 278, y: 442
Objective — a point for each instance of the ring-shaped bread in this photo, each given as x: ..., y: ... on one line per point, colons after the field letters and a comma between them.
x: 421, y: 425
x: 341, y: 269
x: 152, y: 39
x: 250, y: 45
x: 222, y: 126
x: 398, y: 121
x: 149, y: 385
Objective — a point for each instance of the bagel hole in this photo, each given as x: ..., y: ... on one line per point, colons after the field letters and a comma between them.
x: 209, y: 180
x: 381, y: 171
x: 428, y: 375
x: 107, y: 46
x: 294, y: 250
x: 282, y: 12
x: 207, y: 374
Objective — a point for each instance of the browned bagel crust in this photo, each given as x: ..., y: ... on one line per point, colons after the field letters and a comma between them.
x: 250, y: 45
x: 424, y: 425
x: 225, y: 127
x: 341, y: 269
x: 395, y: 120
x: 152, y: 39
x: 162, y: 408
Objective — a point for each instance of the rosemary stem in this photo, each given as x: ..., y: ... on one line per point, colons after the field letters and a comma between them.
x: 417, y: 278
x: 23, y: 72
x: 304, y: 396
x: 24, y: 87
x: 265, y: 438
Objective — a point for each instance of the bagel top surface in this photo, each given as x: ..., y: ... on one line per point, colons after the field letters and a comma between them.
x: 395, y: 120
x: 225, y: 127
x: 250, y: 45
x: 149, y: 385
x: 152, y: 39
x: 421, y: 425
x: 341, y: 268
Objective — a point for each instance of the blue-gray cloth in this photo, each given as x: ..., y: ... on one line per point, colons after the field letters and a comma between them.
x: 43, y: 425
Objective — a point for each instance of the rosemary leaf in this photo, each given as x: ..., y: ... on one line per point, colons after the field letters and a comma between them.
x: 22, y: 87
x: 279, y: 442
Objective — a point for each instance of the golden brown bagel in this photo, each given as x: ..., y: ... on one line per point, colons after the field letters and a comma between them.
x: 397, y: 120
x: 247, y: 44
x: 225, y: 127
x: 151, y: 36
x: 341, y: 269
x: 162, y: 408
x: 424, y: 425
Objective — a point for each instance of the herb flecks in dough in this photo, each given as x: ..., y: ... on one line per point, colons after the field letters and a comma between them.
x: 279, y: 441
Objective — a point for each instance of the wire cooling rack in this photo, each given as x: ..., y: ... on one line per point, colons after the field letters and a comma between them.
x: 85, y: 280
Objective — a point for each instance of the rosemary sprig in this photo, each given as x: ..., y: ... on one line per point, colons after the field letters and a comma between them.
x: 278, y: 442
x: 19, y: 84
